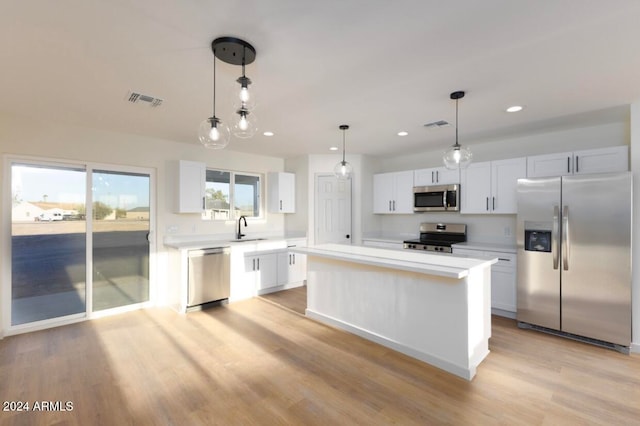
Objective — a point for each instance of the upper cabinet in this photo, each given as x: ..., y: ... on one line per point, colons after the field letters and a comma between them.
x: 393, y: 192
x: 436, y: 176
x: 191, y: 186
x: 490, y: 187
x: 602, y: 160
x: 281, y: 192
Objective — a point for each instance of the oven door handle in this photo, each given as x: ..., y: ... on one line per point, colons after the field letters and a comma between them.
x: 444, y: 199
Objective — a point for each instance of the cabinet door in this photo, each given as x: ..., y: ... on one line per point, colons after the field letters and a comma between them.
x: 425, y: 177
x: 382, y: 192
x: 191, y: 186
x: 559, y: 164
x: 281, y: 194
x: 445, y: 176
x: 504, y: 183
x: 475, y: 188
x: 604, y: 160
x: 262, y: 270
x: 292, y: 268
x: 267, y: 267
x: 503, y: 282
x: 298, y: 268
x: 403, y: 192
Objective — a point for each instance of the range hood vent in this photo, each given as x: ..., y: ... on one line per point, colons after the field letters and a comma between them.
x: 139, y: 98
x: 436, y: 124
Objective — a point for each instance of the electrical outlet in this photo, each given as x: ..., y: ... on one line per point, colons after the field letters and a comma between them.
x: 172, y: 229
x: 507, y: 231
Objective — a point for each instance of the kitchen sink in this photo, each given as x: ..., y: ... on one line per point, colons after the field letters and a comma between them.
x: 246, y: 239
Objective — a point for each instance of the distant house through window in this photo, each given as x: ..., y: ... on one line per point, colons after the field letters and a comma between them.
x: 229, y: 195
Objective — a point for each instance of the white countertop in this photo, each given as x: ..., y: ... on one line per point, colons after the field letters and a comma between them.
x: 448, y: 265
x: 196, y: 243
x: 487, y: 246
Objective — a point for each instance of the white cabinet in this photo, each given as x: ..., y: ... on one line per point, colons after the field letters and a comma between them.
x: 503, y: 279
x: 281, y: 192
x: 393, y: 192
x: 435, y: 176
x: 491, y: 187
x: 601, y: 160
x: 192, y: 176
x: 262, y: 270
x: 292, y: 268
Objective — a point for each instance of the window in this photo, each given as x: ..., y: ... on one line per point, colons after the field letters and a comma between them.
x: 229, y: 195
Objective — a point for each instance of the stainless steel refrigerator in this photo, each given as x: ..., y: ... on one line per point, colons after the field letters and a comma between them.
x: 574, y: 256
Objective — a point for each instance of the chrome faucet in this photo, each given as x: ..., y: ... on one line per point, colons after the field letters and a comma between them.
x: 239, y: 235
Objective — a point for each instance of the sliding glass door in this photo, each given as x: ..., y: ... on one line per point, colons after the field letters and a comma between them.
x: 48, y: 242
x: 120, y: 230
x: 79, y: 240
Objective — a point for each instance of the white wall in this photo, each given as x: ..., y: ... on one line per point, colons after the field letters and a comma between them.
x: 26, y: 137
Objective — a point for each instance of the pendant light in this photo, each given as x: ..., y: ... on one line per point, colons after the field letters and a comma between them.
x: 245, y: 98
x: 246, y: 123
x: 213, y: 133
x: 343, y: 170
x: 457, y: 157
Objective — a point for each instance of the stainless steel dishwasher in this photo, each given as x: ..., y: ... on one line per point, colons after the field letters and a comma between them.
x: 209, y: 276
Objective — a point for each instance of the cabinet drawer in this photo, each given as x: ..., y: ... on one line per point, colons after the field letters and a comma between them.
x: 506, y: 261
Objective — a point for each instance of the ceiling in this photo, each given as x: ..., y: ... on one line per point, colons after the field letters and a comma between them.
x: 379, y: 66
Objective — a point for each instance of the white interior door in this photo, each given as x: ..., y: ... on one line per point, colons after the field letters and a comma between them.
x: 333, y: 210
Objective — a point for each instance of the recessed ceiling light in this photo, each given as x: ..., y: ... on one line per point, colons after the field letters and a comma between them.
x: 514, y: 108
x: 403, y: 133
x: 333, y: 148
x: 268, y: 133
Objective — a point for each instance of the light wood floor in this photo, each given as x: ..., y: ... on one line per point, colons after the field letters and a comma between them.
x: 253, y: 362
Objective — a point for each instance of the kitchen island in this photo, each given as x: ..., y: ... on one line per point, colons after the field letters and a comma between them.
x: 432, y: 307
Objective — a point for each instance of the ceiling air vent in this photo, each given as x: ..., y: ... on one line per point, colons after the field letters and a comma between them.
x: 436, y: 124
x: 139, y: 98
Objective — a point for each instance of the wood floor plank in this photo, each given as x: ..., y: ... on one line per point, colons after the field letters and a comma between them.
x: 254, y: 362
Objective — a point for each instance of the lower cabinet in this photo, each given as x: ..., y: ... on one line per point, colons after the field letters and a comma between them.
x: 503, y: 280
x: 292, y: 268
x: 269, y: 272
x: 261, y: 270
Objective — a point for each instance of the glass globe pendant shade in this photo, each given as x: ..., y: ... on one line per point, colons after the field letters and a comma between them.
x: 457, y: 157
x: 214, y: 134
x: 245, y: 96
x: 246, y: 124
x: 343, y: 170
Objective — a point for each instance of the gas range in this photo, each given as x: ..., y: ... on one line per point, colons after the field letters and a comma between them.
x: 438, y: 237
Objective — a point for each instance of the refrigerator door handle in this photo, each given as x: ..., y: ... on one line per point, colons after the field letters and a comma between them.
x: 565, y: 238
x: 554, y: 236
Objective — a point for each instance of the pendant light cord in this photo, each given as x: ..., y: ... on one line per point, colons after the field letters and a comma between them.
x: 344, y: 131
x: 214, y: 83
x: 457, y: 123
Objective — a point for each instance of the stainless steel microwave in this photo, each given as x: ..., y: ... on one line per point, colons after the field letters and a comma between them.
x: 436, y: 198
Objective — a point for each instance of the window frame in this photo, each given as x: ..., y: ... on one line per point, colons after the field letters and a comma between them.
x: 232, y: 198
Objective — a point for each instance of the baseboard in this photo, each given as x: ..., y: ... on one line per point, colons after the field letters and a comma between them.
x: 634, y: 348
x: 503, y: 313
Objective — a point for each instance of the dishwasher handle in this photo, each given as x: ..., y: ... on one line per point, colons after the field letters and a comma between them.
x: 208, y: 251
